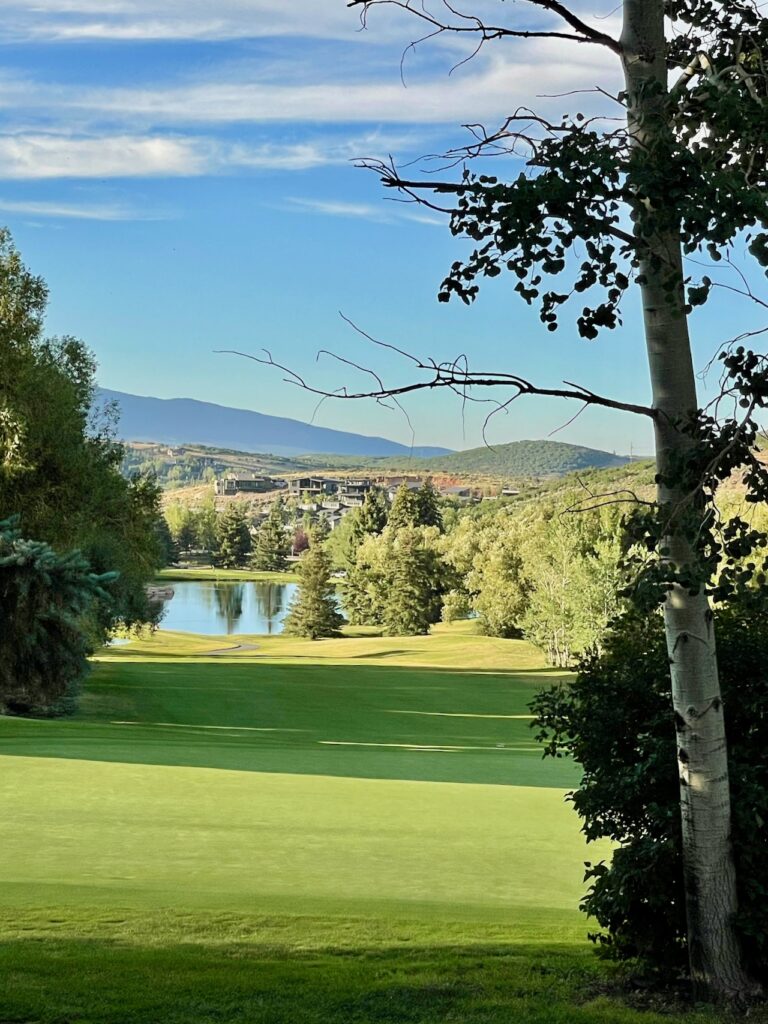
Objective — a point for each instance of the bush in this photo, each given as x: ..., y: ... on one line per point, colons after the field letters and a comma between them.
x: 45, y: 600
x: 616, y: 721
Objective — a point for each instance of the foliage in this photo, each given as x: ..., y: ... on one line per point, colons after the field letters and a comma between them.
x: 44, y: 597
x: 314, y: 612
x: 428, y: 504
x: 394, y: 571
x: 731, y: 554
x: 485, y: 553
x: 615, y: 721
x: 405, y: 509
x: 573, y: 578
x: 374, y: 512
x: 273, y: 543
x: 59, y: 462
x: 368, y: 520
x: 412, y: 596
x: 344, y: 541
x: 234, y: 538
x: 300, y: 541
x: 535, y: 570
x: 515, y: 460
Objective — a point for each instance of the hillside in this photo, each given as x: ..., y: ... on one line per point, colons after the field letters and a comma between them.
x: 515, y: 460
x: 519, y: 461
x: 184, y: 421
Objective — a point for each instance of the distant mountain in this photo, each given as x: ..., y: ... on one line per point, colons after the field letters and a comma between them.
x: 179, y: 421
x: 517, y: 459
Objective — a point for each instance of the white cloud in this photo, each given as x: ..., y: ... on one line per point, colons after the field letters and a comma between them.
x: 485, y: 91
x: 60, y: 156
x: 64, y: 20
x: 339, y: 208
x: 383, y: 213
x: 29, y: 156
x: 73, y: 211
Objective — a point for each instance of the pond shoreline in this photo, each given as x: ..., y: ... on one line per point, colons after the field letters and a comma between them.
x: 206, y: 574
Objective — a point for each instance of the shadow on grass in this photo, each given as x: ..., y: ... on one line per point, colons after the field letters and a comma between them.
x: 309, y: 719
x: 86, y: 980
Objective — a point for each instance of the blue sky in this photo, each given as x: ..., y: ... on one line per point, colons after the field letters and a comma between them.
x: 181, y: 174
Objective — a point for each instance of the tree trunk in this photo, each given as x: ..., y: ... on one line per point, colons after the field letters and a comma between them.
x: 710, y: 881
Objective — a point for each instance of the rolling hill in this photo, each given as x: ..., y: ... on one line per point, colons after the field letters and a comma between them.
x: 177, y: 421
x: 515, y: 459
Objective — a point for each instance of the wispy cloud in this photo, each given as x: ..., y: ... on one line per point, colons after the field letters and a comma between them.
x: 67, y: 20
x: 381, y: 213
x: 64, y: 20
x: 75, y: 211
x: 339, y: 208
x: 45, y: 156
x: 491, y: 91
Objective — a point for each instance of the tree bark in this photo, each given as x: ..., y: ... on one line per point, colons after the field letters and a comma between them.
x: 709, y: 875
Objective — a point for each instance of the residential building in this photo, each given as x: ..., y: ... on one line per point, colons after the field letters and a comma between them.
x: 312, y: 486
x: 243, y: 483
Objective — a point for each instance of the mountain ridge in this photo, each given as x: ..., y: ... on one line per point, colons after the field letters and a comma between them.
x: 179, y: 421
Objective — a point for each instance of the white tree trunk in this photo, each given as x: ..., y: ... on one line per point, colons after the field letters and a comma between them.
x: 710, y: 882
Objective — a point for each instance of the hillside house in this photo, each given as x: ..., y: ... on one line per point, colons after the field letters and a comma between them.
x: 311, y: 486
x: 457, y: 493
x: 242, y: 483
x: 353, y: 492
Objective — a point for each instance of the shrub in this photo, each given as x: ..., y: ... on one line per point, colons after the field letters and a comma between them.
x: 45, y: 600
x: 615, y: 719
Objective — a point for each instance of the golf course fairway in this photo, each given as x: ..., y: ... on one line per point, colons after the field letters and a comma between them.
x: 276, y: 830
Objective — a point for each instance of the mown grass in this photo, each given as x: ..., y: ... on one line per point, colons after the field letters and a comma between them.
x: 222, y: 838
x: 225, y: 575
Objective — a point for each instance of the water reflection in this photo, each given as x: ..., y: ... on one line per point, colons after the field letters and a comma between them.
x: 217, y: 608
x: 229, y: 600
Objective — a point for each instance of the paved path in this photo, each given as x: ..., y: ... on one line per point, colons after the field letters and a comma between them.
x: 220, y: 652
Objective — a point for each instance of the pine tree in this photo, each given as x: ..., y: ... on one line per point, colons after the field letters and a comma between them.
x: 408, y: 600
x: 320, y: 530
x: 234, y: 537
x: 314, y: 611
x: 374, y: 512
x: 46, y: 599
x: 273, y: 543
x: 428, y: 503
x: 405, y: 509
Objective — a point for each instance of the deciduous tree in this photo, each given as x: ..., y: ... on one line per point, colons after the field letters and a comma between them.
x: 602, y: 206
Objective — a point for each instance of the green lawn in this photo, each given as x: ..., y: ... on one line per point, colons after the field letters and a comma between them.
x: 225, y: 575
x: 347, y: 831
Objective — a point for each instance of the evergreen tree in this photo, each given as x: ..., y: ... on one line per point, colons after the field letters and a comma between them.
x: 320, y: 530
x: 428, y: 504
x: 408, y: 600
x: 314, y: 611
x: 273, y: 543
x: 234, y: 537
x: 169, y: 551
x: 405, y: 509
x: 373, y: 514
x: 45, y: 600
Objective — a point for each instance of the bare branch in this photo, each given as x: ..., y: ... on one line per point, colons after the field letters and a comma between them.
x: 455, y: 376
x: 471, y: 24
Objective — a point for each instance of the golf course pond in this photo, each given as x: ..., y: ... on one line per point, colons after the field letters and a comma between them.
x: 215, y: 608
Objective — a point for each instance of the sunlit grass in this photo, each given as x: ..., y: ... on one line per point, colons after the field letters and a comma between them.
x: 344, y: 832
